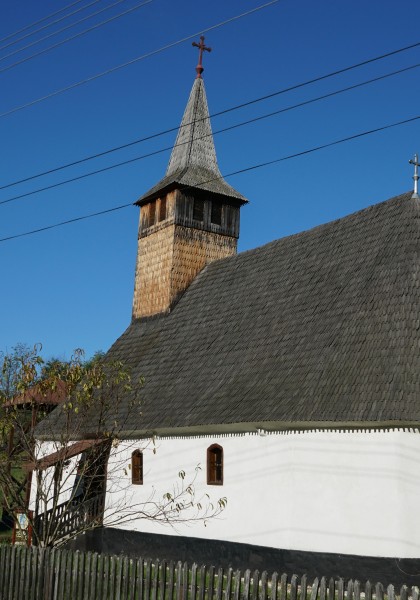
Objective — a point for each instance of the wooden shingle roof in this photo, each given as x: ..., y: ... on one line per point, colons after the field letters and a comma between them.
x: 319, y: 329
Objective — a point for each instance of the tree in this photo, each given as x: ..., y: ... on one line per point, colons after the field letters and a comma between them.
x: 65, y: 461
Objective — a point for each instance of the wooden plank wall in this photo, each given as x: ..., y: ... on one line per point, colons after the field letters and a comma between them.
x: 53, y: 574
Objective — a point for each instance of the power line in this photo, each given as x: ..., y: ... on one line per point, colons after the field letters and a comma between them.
x: 10, y: 35
x: 238, y: 172
x: 161, y: 150
x: 49, y: 25
x: 134, y: 60
x: 73, y: 37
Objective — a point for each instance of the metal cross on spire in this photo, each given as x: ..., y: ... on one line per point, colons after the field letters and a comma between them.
x: 416, y: 164
x: 202, y: 47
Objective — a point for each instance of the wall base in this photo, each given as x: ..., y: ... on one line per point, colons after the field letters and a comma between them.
x: 245, y: 556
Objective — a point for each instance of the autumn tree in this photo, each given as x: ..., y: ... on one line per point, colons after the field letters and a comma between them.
x: 63, y: 461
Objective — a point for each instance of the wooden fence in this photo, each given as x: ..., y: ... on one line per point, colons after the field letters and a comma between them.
x: 53, y: 574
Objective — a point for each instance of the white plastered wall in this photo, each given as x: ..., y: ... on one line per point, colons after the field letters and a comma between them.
x: 47, y: 483
x: 354, y: 492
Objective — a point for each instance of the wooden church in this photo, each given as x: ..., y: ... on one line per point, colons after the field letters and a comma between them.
x: 289, y: 373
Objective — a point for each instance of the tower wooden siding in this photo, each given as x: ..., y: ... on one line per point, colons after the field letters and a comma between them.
x: 173, y: 251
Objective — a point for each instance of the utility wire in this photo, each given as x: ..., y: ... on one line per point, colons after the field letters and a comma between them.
x: 245, y: 170
x: 23, y: 37
x: 161, y: 150
x: 138, y: 58
x: 73, y: 37
x: 10, y: 35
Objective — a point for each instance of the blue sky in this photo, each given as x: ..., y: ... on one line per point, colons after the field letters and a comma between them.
x: 72, y: 286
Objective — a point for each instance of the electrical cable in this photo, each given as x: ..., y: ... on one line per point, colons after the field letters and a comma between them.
x: 134, y: 60
x: 73, y: 37
x: 244, y: 170
x: 50, y: 24
x: 10, y: 35
x: 161, y: 150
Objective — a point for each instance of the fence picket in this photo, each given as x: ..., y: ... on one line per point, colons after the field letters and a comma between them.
x: 140, y: 578
x: 193, y: 592
x: 303, y: 586
x: 185, y: 573
x: 202, y: 584
x: 323, y: 589
x: 415, y: 592
x: 331, y: 589
x: 356, y: 590
x: 274, y: 584
x: 403, y: 593
x: 118, y: 579
x: 391, y: 592
x: 368, y: 590
x: 154, y: 580
x: 106, y: 578
x: 92, y: 586
x: 263, y: 588
x: 314, y: 590
x: 293, y: 588
x: 379, y: 589
x: 247, y: 585
x: 340, y: 589
x: 178, y: 584
x: 283, y: 587
x: 350, y: 590
x: 162, y: 580
x: 171, y: 576
x: 219, y: 587
x: 255, y: 585
x: 236, y: 585
x: 210, y: 586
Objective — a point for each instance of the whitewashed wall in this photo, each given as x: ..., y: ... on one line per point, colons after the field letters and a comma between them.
x: 341, y: 492
x: 47, y: 485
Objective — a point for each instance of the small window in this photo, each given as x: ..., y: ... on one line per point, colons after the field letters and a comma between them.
x: 137, y: 467
x: 216, y: 213
x: 198, y: 210
x: 152, y: 212
x: 215, y: 465
x: 162, y: 209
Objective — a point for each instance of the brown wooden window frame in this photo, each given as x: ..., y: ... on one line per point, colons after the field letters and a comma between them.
x: 213, y: 477
x: 137, y: 467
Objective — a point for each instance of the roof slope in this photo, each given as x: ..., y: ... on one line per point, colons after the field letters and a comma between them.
x: 321, y: 327
x: 193, y: 161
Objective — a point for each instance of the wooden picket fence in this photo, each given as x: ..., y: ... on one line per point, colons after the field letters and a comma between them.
x: 53, y: 574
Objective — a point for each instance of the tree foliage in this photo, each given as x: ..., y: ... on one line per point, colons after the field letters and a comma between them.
x: 44, y: 410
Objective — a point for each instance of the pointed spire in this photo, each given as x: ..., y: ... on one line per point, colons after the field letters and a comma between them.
x: 193, y: 162
x: 194, y: 146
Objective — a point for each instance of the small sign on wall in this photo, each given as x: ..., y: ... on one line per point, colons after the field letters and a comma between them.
x: 22, y: 529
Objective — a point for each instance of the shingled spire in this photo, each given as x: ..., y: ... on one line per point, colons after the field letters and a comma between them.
x: 190, y: 218
x: 193, y: 162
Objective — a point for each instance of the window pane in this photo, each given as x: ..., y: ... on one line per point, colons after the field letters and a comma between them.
x: 152, y: 212
x: 162, y: 209
x: 198, y: 210
x: 216, y: 213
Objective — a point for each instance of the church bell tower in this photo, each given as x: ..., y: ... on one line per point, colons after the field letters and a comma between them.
x: 190, y: 218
